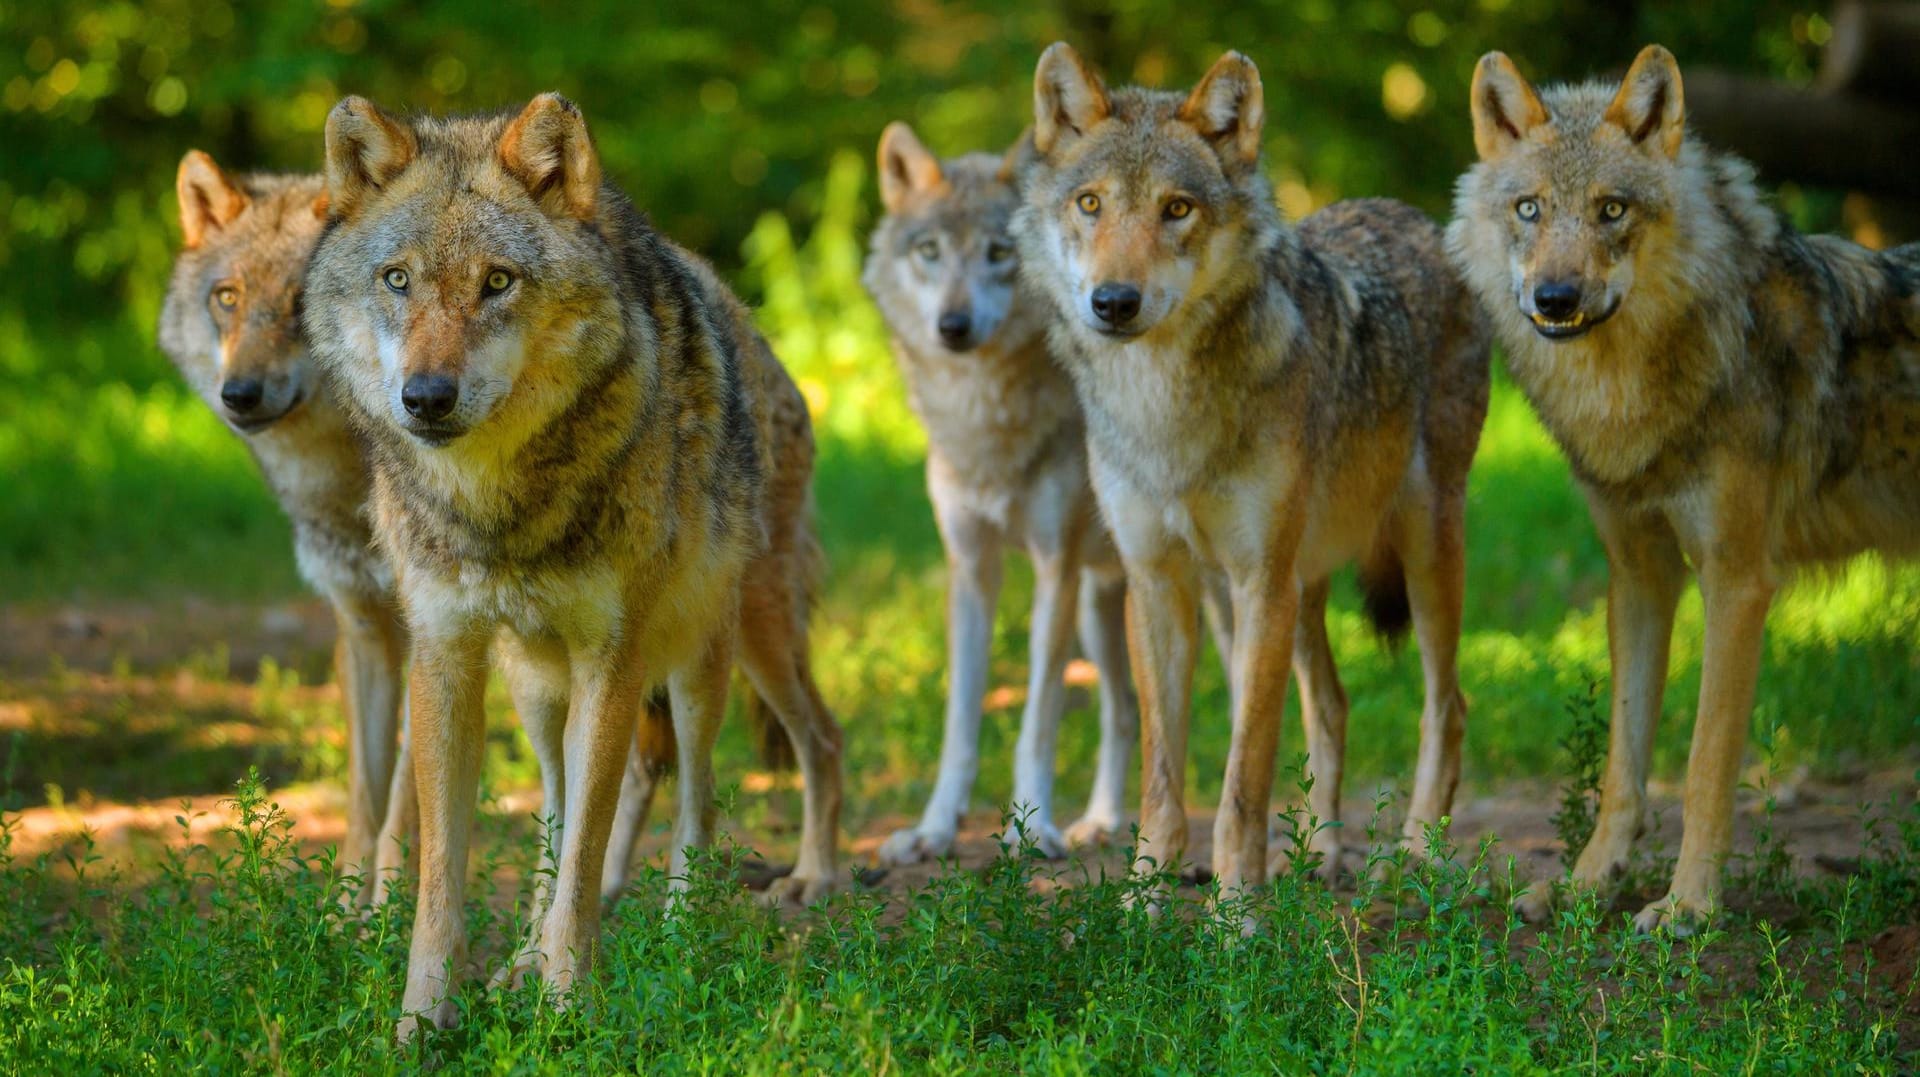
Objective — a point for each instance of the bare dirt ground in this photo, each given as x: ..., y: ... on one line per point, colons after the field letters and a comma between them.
x: 119, y: 722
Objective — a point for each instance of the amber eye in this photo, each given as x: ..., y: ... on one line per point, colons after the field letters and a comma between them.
x: 227, y: 296
x: 1528, y: 209
x: 396, y: 279
x: 1089, y: 203
x: 497, y: 281
x: 1178, y: 209
x: 999, y: 252
x: 928, y: 249
x: 1613, y: 209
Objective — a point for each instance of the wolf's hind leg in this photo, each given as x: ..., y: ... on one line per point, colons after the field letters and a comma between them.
x: 1323, y: 715
x: 1430, y: 538
x: 774, y: 653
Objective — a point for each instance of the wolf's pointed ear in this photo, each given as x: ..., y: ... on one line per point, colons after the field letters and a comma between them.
x: 1505, y: 107
x: 548, y: 147
x: 906, y: 166
x: 1068, y: 98
x: 1229, y: 108
x: 1018, y: 158
x: 366, y: 149
x: 209, y: 201
x: 1649, y: 106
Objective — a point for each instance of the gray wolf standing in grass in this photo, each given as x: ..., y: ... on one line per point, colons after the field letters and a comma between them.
x: 577, y: 438
x: 1263, y: 401
x: 1728, y: 392
x: 231, y: 324
x: 1006, y: 464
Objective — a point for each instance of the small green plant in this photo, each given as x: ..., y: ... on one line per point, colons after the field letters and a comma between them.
x: 1584, y: 747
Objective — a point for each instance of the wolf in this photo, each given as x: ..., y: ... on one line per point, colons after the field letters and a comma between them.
x: 1006, y: 465
x: 231, y: 325
x: 1730, y: 395
x: 1263, y: 402
x: 578, y: 439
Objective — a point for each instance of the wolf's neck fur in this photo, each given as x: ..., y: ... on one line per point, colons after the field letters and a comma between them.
x: 991, y: 412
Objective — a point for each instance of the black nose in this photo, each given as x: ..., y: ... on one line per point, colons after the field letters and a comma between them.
x: 430, y: 396
x: 1557, y: 301
x: 955, y: 325
x: 1116, y: 304
x: 242, y: 395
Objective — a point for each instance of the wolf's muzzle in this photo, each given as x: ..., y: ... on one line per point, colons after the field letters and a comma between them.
x: 430, y: 397
x: 956, y: 329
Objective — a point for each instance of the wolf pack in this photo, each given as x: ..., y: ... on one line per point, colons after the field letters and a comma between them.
x: 511, y: 422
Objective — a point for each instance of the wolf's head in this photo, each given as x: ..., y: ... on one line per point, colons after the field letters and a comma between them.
x: 463, y: 278
x: 232, y: 317
x: 944, y: 267
x: 1142, y: 202
x: 1574, y: 200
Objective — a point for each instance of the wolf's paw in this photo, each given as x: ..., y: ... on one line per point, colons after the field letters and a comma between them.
x: 801, y: 891
x: 913, y: 846
x: 1536, y: 905
x: 1674, y: 915
x: 1092, y: 831
x: 443, y: 1015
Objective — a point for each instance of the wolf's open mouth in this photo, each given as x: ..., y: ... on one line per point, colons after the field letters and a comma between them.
x: 1568, y: 328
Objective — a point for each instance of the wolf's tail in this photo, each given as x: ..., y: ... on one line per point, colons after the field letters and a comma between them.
x: 1383, y: 593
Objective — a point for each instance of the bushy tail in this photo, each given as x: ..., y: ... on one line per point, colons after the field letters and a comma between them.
x: 1383, y: 593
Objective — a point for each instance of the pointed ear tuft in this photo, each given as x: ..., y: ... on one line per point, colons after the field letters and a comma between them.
x: 1229, y: 109
x: 1068, y: 98
x: 1505, y: 106
x: 209, y: 201
x: 547, y: 146
x: 1650, y: 107
x: 366, y: 150
x: 1018, y: 158
x: 906, y: 167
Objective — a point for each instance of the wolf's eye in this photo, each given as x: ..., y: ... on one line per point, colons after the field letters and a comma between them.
x: 396, y: 279
x: 928, y: 249
x: 227, y: 296
x: 497, y: 282
x: 1178, y: 209
x: 999, y: 252
x: 1089, y: 203
x: 1528, y: 209
x: 1613, y: 209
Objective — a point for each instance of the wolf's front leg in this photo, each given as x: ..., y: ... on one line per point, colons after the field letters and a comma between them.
x: 1163, y: 629
x: 448, y: 719
x: 371, y: 658
x: 1056, y: 587
x: 1645, y: 575
x: 400, y: 832
x: 607, y: 690
x: 973, y: 589
x: 1737, y: 593
x: 1265, y: 608
x: 636, y: 796
x: 537, y: 677
x: 1103, y: 637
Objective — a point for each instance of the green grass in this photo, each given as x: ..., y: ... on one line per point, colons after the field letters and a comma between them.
x: 236, y: 959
